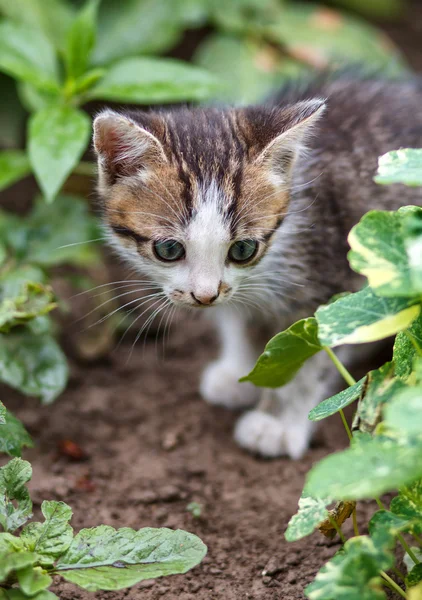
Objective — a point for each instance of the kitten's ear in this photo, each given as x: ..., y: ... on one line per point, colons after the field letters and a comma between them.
x: 124, y: 148
x: 284, y: 137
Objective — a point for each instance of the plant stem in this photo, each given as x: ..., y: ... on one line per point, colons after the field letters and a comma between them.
x: 408, y: 549
x: 338, y: 529
x: 417, y: 538
x: 340, y: 367
x: 398, y: 573
x: 392, y: 584
x: 346, y: 425
x: 355, y: 522
x: 85, y: 168
x: 380, y: 504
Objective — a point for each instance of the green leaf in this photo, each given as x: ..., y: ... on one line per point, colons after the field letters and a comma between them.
x: 329, y: 407
x: 310, y: 514
x: 58, y: 136
x: 2, y: 413
x: 248, y: 69
x: 34, y: 301
x: 52, y: 538
x: 380, y: 387
x: 404, y: 412
x: 408, y: 345
x: 81, y: 39
x: 103, y: 558
x: 365, y: 470
x: 353, y: 574
x: 33, y: 364
x: 27, y: 54
x: 13, y: 561
x: 408, y: 505
x: 384, y: 527
x: 415, y: 575
x: 400, y: 166
x: 13, y: 436
x: 374, y: 318
x: 154, y: 80
x: 376, y: 9
x: 285, y: 354
x: 19, y: 595
x: 13, y: 479
x: 387, y: 253
x: 14, y: 165
x: 33, y: 580
x: 34, y: 99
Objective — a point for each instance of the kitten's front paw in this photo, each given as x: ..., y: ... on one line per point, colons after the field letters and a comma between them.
x: 220, y: 385
x: 270, y: 436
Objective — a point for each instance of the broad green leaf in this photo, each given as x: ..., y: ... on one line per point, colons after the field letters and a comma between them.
x: 384, y: 527
x: 380, y: 387
x: 14, y: 594
x: 154, y: 80
x: 365, y: 470
x: 415, y: 575
x: 310, y: 514
x: 408, y: 345
x: 408, y: 505
x: 52, y: 17
x: 58, y: 136
x: 103, y: 558
x: 33, y: 580
x: 143, y: 27
x: 61, y: 233
x: 34, y: 99
x: 12, y: 115
x: 12, y: 561
x: 247, y: 68
x: 34, y: 301
x: 320, y: 37
x: 415, y: 593
x: 329, y: 407
x: 81, y: 39
x: 380, y: 245
x: 245, y: 15
x: 52, y: 538
x: 15, y: 502
x: 13, y: 436
x: 408, y: 560
x: 364, y: 317
x: 285, y: 354
x: 400, y: 166
x: 376, y: 9
x: 13, y: 282
x: 2, y: 413
x: 25, y: 53
x: 14, y: 165
x: 33, y: 364
x: 404, y: 411
x: 353, y: 573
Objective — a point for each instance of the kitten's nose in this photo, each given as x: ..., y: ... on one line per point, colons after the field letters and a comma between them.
x: 204, y: 299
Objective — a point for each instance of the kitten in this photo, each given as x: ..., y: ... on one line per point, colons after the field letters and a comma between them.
x: 244, y: 214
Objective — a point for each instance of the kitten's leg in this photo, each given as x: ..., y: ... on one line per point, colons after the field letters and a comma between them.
x: 280, y: 425
x: 220, y: 380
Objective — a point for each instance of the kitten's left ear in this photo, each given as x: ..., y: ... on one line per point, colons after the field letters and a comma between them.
x: 284, y: 136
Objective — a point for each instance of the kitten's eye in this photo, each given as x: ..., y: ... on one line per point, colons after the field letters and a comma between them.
x: 169, y: 250
x: 243, y: 250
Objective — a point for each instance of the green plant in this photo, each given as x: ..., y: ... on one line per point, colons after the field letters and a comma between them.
x: 385, y: 451
x: 99, y: 558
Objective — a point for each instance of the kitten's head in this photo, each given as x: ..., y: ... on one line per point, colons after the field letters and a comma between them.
x: 194, y: 197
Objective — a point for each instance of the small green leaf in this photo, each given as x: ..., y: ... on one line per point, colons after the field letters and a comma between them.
x: 415, y: 575
x: 365, y: 470
x: 386, y: 248
x: 408, y: 560
x: 13, y: 561
x: 285, y: 354
x: 353, y: 573
x: 33, y: 580
x: 407, y: 345
x: 19, y: 595
x: 34, y: 301
x: 404, y: 411
x: 384, y: 527
x: 14, y: 165
x: 154, y: 80
x: 33, y: 364
x: 13, y: 479
x: 52, y: 538
x: 400, y: 166
x: 408, y: 505
x: 103, y: 558
x: 329, y: 407
x: 81, y: 39
x: 2, y: 413
x: 13, y: 436
x: 310, y: 514
x: 25, y: 53
x: 364, y: 317
x: 58, y: 136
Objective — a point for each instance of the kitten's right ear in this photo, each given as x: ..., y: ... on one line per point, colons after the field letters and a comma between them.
x: 123, y: 147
